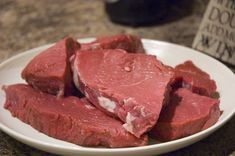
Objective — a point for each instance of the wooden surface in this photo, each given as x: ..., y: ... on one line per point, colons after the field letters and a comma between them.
x: 26, y: 24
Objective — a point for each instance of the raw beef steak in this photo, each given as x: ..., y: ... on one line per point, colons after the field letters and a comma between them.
x: 129, y: 43
x: 191, y: 77
x: 68, y: 119
x: 187, y: 113
x: 132, y: 87
x: 50, y: 70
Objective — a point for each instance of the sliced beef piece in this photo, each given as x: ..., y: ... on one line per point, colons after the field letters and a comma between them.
x: 129, y: 86
x: 190, y: 76
x: 187, y: 113
x: 50, y: 70
x: 69, y: 119
x: 129, y: 43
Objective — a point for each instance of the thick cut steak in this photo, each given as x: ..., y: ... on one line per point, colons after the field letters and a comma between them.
x: 50, y: 70
x: 129, y: 43
x: 191, y: 77
x: 129, y: 86
x: 68, y: 119
x: 187, y: 113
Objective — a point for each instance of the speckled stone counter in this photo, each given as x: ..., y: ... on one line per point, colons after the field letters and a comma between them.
x: 25, y: 24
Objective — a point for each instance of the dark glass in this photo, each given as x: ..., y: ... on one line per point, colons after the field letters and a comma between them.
x: 135, y: 12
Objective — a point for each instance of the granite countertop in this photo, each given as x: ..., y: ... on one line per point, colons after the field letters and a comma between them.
x: 25, y: 24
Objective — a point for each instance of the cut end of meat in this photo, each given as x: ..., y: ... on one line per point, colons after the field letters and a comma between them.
x: 116, y: 82
x: 50, y: 70
x: 69, y: 119
x: 187, y: 113
x: 129, y: 43
x: 128, y: 125
x: 189, y: 76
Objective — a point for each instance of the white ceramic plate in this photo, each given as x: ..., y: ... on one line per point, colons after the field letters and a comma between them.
x: 170, y: 54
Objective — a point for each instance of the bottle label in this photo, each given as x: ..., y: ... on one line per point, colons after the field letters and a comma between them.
x: 216, y: 34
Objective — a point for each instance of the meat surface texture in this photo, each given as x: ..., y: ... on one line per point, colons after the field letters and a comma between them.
x: 50, y: 70
x: 187, y: 113
x: 129, y: 43
x: 69, y: 119
x: 129, y: 86
x: 191, y: 77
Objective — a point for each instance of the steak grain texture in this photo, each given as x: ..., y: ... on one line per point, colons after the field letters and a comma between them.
x: 193, y: 78
x: 129, y: 86
x: 187, y: 113
x: 69, y: 119
x: 126, y: 42
x: 50, y: 70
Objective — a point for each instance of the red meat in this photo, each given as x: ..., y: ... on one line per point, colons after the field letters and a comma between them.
x: 190, y: 76
x: 187, y: 113
x: 129, y: 43
x: 68, y: 119
x: 129, y: 86
x: 50, y: 70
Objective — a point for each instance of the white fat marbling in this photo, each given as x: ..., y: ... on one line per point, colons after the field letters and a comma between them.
x: 142, y: 112
x: 60, y: 93
x: 185, y: 85
x: 128, y: 125
x: 75, y: 74
x: 87, y: 95
x: 89, y: 106
x: 127, y: 100
x: 107, y: 104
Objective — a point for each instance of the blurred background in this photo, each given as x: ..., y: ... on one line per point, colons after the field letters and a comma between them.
x: 26, y: 24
